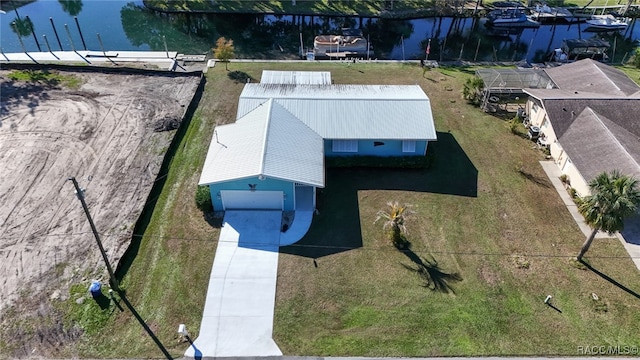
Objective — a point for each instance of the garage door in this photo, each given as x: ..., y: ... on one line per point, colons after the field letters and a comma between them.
x: 239, y: 199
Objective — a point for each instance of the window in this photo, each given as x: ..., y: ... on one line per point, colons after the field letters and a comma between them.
x: 408, y: 146
x: 344, y: 146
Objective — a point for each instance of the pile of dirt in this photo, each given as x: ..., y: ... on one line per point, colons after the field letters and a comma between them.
x: 111, y: 134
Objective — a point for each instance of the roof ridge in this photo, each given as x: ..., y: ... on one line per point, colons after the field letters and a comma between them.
x: 275, y: 101
x: 615, y: 139
x: 605, y: 75
x: 263, y: 155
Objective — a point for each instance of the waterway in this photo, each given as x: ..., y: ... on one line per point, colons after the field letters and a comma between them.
x: 129, y: 25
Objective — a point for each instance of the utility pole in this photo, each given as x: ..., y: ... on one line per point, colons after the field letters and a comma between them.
x: 80, y: 194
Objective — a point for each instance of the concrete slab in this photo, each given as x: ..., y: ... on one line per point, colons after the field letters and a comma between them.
x: 238, y: 313
x: 161, y: 58
x: 554, y: 173
x: 631, y: 232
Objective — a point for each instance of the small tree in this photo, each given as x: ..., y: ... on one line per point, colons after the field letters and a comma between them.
x: 224, y: 51
x: 613, y: 198
x: 395, y: 217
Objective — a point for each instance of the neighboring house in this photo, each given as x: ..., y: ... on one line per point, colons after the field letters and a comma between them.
x: 589, y: 122
x: 272, y: 157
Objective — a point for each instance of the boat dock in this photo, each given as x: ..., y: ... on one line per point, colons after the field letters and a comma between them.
x: 169, y: 60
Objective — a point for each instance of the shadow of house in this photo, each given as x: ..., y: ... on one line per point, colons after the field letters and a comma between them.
x: 337, y: 226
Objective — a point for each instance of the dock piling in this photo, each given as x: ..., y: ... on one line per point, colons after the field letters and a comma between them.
x: 56, y: 33
x: 47, y: 43
x: 66, y: 27
x: 80, y: 32
x: 164, y: 40
x: 35, y: 38
x: 15, y: 27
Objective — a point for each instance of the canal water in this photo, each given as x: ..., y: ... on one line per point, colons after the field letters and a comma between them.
x: 129, y: 25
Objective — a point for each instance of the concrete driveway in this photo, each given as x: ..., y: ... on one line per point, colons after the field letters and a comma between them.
x: 238, y: 313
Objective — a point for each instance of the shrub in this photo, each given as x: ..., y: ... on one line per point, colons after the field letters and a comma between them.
x: 636, y: 59
x: 405, y: 162
x: 203, y: 198
x: 515, y: 126
x: 573, y: 193
x: 564, y: 178
x: 472, y: 90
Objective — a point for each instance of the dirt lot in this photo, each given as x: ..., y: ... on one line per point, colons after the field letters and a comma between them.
x: 111, y: 133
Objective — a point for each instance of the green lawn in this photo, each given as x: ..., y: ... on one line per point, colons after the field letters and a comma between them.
x: 474, y: 213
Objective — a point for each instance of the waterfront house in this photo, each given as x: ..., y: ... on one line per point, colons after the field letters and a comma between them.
x: 589, y: 121
x: 273, y: 156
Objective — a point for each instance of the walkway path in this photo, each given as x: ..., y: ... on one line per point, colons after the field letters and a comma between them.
x: 632, y: 244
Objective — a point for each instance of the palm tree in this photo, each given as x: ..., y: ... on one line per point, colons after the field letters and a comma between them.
x: 395, y: 218
x: 613, y: 198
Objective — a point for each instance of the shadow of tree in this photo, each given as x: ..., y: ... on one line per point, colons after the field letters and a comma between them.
x: 433, y: 276
x: 609, y: 279
x: 240, y: 76
x: 14, y: 94
x: 538, y: 180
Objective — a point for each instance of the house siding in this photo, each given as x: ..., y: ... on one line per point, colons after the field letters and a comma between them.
x: 267, y: 184
x: 368, y: 147
x: 575, y: 178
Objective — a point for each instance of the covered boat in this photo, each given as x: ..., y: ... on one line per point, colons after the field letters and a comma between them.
x: 578, y: 49
x: 350, y: 43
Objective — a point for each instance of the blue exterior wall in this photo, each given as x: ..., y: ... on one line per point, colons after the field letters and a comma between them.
x: 367, y: 147
x: 261, y: 185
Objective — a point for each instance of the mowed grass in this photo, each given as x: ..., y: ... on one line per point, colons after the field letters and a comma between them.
x: 361, y: 300
x: 473, y: 212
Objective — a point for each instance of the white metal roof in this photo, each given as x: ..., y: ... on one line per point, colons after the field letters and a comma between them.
x: 295, y: 77
x: 268, y: 141
x: 350, y: 111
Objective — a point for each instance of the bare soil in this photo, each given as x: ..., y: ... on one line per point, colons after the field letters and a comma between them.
x: 112, y: 134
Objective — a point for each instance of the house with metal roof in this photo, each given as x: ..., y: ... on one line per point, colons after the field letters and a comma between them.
x: 588, y: 122
x: 273, y: 156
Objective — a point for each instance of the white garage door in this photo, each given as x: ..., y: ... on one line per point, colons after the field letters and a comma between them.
x: 239, y: 199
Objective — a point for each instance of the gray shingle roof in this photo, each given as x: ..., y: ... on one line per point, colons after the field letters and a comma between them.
x: 593, y: 77
x: 621, y: 111
x: 596, y: 144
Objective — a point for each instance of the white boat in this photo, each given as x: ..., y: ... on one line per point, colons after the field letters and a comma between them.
x: 605, y: 22
x: 506, y: 16
x: 546, y: 13
x: 350, y: 43
x: 510, y: 17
